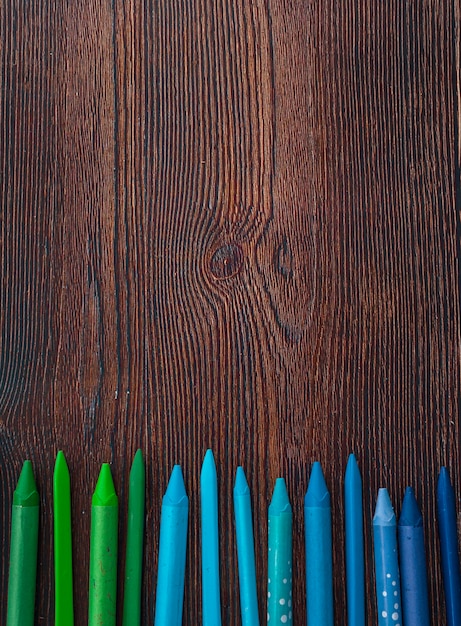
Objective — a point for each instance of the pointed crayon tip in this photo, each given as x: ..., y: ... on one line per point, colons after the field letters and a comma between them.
x: 138, y: 468
x: 175, y: 494
x: 104, y: 493
x: 384, y: 513
x: 61, y: 477
x: 445, y: 491
x: 280, y: 502
x: 410, y: 515
x: 208, y: 466
x: 241, y: 487
x: 26, y: 493
x: 352, y: 477
x: 443, y: 482
x: 317, y: 494
x: 352, y: 465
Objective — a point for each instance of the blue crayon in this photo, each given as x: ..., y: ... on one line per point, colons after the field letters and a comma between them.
x: 446, y: 517
x: 172, y: 552
x: 211, y: 597
x: 355, y: 563
x: 413, y: 574
x: 245, y: 550
x: 386, y: 562
x: 280, y: 557
x: 319, y: 559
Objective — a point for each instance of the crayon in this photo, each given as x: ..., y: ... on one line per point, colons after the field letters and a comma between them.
x: 386, y: 562
x: 413, y: 574
x: 245, y: 550
x: 211, y: 600
x: 280, y: 557
x: 355, y: 562
x: 23, y: 550
x: 319, y: 555
x: 103, y: 551
x: 63, y: 582
x: 172, y: 552
x: 446, y: 518
x: 134, y: 542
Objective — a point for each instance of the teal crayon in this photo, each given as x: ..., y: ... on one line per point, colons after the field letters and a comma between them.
x: 211, y: 589
x: 245, y: 550
x: 280, y: 557
x: 319, y: 555
x: 172, y: 552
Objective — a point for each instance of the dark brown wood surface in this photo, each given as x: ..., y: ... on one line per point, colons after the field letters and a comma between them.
x: 232, y: 225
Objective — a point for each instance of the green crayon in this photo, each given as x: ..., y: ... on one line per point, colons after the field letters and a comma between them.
x: 64, y: 603
x: 134, y: 543
x: 103, y: 551
x: 23, y: 550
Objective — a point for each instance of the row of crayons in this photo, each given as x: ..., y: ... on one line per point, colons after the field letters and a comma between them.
x: 400, y: 564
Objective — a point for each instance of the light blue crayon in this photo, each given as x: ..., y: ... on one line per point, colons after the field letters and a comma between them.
x: 172, y: 552
x: 386, y: 562
x: 211, y: 600
x: 245, y: 550
x: 280, y: 557
x: 355, y: 566
x: 319, y: 557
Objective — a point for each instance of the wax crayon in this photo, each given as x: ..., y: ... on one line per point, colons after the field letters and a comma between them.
x: 319, y: 555
x: 172, y: 552
x: 446, y: 518
x: 63, y: 579
x: 103, y: 552
x: 211, y: 589
x: 355, y: 561
x: 134, y: 542
x: 386, y: 562
x: 280, y: 557
x: 23, y: 550
x: 412, y: 557
x: 245, y: 550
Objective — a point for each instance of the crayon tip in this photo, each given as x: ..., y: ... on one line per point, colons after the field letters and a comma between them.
x: 61, y: 477
x: 26, y: 493
x: 352, y: 476
x: 280, y: 502
x: 104, y: 493
x: 208, y: 466
x: 317, y: 494
x: 241, y: 487
x: 445, y: 492
x: 175, y: 494
x: 384, y: 513
x: 138, y: 470
x: 352, y: 465
x: 443, y: 482
x: 410, y: 515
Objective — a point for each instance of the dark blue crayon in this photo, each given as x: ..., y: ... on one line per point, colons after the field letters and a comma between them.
x: 446, y: 517
x: 413, y: 573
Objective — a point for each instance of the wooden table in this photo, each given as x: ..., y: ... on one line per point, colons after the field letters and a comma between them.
x: 232, y: 225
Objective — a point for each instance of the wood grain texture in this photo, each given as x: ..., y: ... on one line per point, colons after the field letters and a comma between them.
x: 229, y: 225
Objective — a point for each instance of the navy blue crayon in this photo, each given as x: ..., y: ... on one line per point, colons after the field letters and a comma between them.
x: 446, y: 517
x: 413, y: 573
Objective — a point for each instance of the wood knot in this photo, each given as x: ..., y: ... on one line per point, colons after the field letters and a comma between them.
x: 226, y: 261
